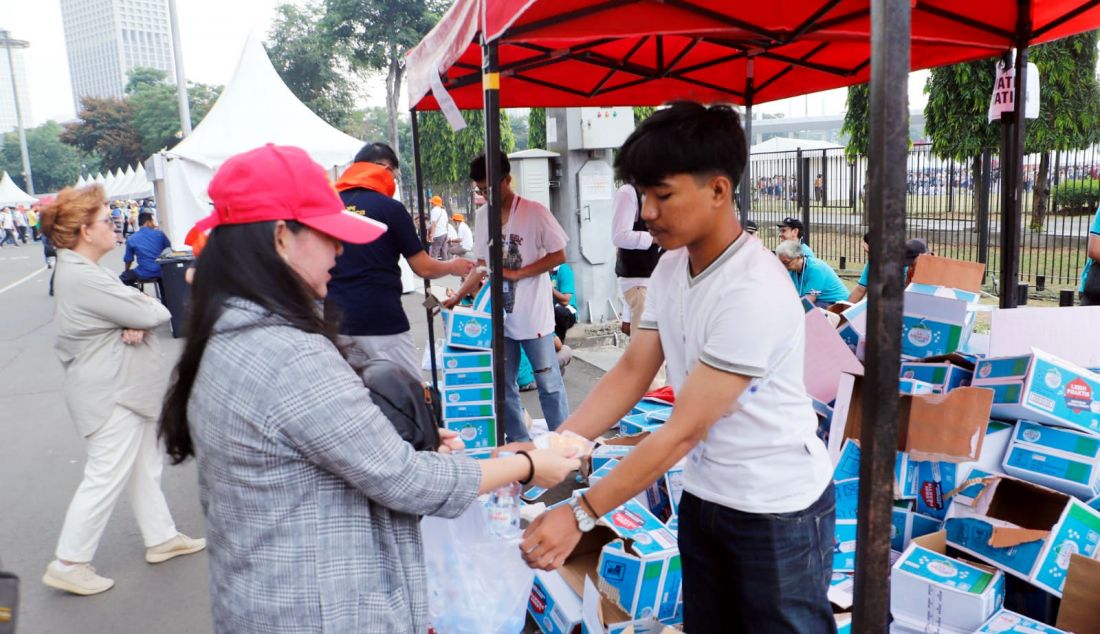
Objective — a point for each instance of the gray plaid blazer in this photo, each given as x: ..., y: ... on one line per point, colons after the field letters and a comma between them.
x: 312, y: 500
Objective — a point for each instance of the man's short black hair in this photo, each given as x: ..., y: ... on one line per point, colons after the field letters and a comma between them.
x: 143, y: 218
x: 477, y: 167
x: 375, y: 152
x: 684, y: 138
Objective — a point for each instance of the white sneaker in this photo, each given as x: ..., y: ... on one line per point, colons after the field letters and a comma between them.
x: 179, y: 545
x: 78, y: 579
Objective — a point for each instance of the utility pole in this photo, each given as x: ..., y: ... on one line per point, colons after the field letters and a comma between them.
x: 8, y: 43
x: 181, y: 78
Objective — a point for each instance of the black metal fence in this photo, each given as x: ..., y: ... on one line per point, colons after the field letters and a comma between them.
x: 953, y: 205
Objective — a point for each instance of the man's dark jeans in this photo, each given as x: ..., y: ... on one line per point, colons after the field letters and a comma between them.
x: 757, y: 572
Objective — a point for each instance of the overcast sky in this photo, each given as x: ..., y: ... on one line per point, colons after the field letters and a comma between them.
x: 213, y: 33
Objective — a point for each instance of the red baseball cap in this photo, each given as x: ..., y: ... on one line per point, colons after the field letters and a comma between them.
x: 276, y: 182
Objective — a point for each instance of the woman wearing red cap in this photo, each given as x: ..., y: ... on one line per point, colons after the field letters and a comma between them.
x: 312, y: 499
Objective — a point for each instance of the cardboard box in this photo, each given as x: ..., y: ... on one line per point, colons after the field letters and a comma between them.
x: 604, y: 454
x: 946, y: 427
x: 600, y: 616
x: 1042, y: 388
x: 934, y: 482
x: 935, y: 270
x: 471, y: 394
x: 937, y: 320
x: 458, y: 359
x: 640, y: 570
x: 1065, y: 332
x: 458, y: 411
x: 467, y: 377
x: 906, y: 485
x: 998, y: 435
x: 649, y: 407
x: 842, y: 589
x: 847, y: 498
x: 843, y: 623
x: 907, y: 524
x: 638, y: 423
x: 476, y: 433
x: 554, y: 606
x: 914, y: 387
x: 826, y: 357
x: 945, y: 594
x: 844, y: 546
x: 1024, y: 529
x: 470, y: 329
x: 1080, y: 612
x: 1064, y: 460
x: 602, y: 472
x: 952, y: 372
x: 1008, y: 622
x: 853, y: 329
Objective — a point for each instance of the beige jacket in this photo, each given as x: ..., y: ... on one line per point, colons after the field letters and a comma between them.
x: 93, y: 308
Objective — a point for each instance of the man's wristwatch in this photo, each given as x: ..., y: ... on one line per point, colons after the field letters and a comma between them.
x: 585, y: 522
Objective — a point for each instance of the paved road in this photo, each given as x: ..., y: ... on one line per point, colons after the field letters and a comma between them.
x: 41, y: 458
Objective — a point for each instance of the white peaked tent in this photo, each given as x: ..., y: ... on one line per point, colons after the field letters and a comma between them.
x: 255, y: 108
x: 119, y: 187
x: 11, y: 194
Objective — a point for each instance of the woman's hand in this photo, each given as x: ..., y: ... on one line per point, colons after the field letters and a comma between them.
x: 449, y: 442
x: 552, y: 466
x: 130, y: 336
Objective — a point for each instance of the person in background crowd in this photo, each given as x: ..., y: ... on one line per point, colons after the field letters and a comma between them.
x: 438, y: 229
x: 32, y: 220
x: 860, y: 291
x: 22, y: 226
x: 459, y: 236
x: 117, y: 218
x: 49, y: 253
x: 565, y: 300
x: 913, y: 249
x: 366, y: 282
x: 7, y: 227
x: 115, y: 377
x: 312, y: 500
x: 792, y: 229
x: 145, y: 246
x: 756, y: 519
x: 533, y: 243
x: 814, y: 279
x: 1092, y: 257
x: 637, y: 253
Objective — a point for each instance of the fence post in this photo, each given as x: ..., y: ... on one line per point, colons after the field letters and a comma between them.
x: 853, y: 187
x: 951, y: 186
x: 1065, y: 298
x: 985, y: 191
x: 804, y: 194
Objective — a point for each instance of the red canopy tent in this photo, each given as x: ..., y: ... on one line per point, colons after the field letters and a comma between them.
x: 538, y: 53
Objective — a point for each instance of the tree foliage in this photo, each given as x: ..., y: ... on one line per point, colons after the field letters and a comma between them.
x: 53, y: 163
x: 305, y: 56
x: 446, y: 154
x: 536, y: 129
x: 958, y: 103
x: 521, y: 132
x: 105, y: 128
x: 376, y: 34
x: 857, y: 118
x: 142, y: 76
x: 156, y: 113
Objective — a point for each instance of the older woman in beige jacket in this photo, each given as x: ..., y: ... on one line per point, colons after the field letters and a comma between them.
x: 115, y: 379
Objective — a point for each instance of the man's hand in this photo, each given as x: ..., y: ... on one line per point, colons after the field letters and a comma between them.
x: 451, y: 302
x: 550, y: 538
x: 461, y: 267
x: 449, y: 442
x: 513, y: 275
x: 514, y: 447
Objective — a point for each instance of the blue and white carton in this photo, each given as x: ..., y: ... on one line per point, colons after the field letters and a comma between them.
x: 640, y: 571
x: 937, y: 320
x: 1009, y: 622
x: 553, y: 605
x: 941, y: 593
x: 476, y: 433
x: 844, y: 546
x: 905, y: 475
x: 639, y: 423
x: 467, y: 377
x: 1027, y: 530
x: 906, y: 525
x: 1041, y: 387
x: 460, y: 359
x: 1064, y: 460
x: 470, y: 329
x: 944, y: 375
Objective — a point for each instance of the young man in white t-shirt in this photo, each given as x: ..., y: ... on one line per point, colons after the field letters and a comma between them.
x: 534, y: 243
x: 757, y: 513
x: 438, y: 229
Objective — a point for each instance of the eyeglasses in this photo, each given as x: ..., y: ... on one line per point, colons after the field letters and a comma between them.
x: 481, y: 191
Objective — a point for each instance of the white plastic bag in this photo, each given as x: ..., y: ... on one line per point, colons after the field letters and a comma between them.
x: 477, y: 583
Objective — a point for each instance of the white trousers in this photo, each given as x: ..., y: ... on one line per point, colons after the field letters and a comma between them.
x: 399, y: 348
x: 124, y: 453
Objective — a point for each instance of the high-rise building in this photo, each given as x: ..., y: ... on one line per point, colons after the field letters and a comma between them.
x: 106, y: 39
x: 7, y: 104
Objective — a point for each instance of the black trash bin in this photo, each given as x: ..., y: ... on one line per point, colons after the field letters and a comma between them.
x: 177, y: 292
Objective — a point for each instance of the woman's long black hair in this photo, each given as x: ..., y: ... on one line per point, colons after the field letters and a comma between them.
x: 238, y: 261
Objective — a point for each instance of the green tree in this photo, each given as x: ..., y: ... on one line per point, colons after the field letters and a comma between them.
x: 446, y: 154
x: 1069, y: 108
x: 857, y: 119
x: 520, y: 131
x: 376, y: 34
x: 142, y: 76
x: 536, y: 128
x: 105, y: 128
x: 641, y: 113
x: 53, y: 163
x: 303, y: 53
x: 156, y: 113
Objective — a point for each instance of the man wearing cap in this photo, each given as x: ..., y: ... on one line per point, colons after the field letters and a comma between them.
x: 913, y: 249
x: 366, y: 281
x: 438, y: 230
x: 459, y: 236
x: 791, y: 228
x: 814, y: 279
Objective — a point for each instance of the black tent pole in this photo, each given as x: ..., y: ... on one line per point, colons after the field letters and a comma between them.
x: 746, y: 177
x: 1013, y: 131
x: 889, y: 139
x: 490, y: 84
x: 423, y: 240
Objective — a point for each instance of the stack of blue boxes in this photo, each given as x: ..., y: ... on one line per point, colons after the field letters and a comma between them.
x: 467, y: 385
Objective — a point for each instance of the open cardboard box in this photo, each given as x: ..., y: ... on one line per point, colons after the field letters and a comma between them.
x: 1067, y: 332
x: 548, y: 593
x: 827, y: 357
x: 944, y: 427
x: 1080, y: 611
x: 941, y: 271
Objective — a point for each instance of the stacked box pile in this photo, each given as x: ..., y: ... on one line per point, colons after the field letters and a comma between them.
x: 467, y: 383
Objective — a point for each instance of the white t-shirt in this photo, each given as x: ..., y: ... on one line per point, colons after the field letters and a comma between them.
x: 6, y: 221
x: 741, y: 315
x: 623, y: 235
x: 438, y: 219
x: 531, y: 232
x: 462, y: 235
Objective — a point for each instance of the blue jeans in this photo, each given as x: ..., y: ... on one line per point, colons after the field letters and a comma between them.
x: 757, y: 572
x: 552, y: 397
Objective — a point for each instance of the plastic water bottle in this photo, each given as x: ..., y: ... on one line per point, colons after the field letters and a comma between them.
x: 503, y: 509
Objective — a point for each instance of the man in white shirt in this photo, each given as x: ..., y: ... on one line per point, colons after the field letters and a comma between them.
x: 756, y: 520
x: 637, y: 254
x: 438, y: 229
x: 459, y: 236
x: 7, y: 227
x: 534, y: 243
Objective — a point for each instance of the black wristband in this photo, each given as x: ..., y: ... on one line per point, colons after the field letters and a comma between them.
x: 531, y: 463
x: 584, y: 498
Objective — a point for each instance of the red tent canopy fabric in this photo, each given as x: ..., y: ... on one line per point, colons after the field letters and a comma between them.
x: 645, y: 52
